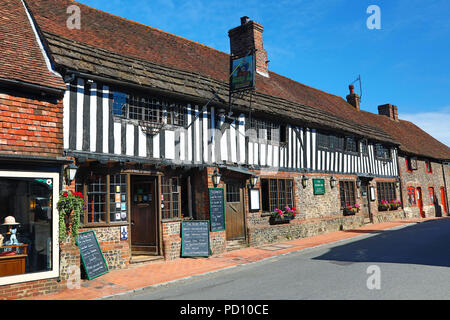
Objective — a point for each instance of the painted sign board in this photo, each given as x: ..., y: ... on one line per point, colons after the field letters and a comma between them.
x: 319, y: 186
x: 242, y: 73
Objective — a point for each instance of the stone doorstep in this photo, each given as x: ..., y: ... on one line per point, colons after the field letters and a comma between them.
x: 236, y: 244
x: 139, y: 259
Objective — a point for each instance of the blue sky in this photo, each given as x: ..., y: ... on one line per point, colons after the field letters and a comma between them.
x: 326, y: 44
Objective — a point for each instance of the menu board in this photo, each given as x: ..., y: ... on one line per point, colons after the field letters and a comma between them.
x: 217, y: 209
x: 91, y: 255
x: 195, y: 238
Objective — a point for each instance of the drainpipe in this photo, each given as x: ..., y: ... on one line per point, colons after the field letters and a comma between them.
x: 444, y: 164
x: 400, y: 186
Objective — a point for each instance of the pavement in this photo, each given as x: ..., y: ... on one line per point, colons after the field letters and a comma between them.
x: 149, y: 275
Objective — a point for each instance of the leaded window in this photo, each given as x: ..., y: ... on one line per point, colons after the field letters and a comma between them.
x: 347, y: 193
x: 386, y: 191
x: 382, y: 152
x: 170, y: 191
x: 277, y: 193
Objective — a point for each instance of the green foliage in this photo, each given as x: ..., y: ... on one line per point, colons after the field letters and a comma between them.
x: 70, y: 207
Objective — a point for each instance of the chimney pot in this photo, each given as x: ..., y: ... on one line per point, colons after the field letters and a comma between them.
x: 353, y: 98
x: 244, y: 20
x: 352, y: 89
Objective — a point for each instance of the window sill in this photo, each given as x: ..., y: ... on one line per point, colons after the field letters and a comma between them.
x: 173, y: 219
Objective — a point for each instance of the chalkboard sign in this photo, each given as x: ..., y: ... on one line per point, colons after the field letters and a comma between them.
x: 195, y: 238
x: 216, y: 209
x: 91, y: 255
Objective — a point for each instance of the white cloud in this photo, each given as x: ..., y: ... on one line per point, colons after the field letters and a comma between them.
x: 436, y: 123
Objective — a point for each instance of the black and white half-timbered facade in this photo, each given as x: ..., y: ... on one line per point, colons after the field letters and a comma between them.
x: 151, y: 123
x: 166, y: 134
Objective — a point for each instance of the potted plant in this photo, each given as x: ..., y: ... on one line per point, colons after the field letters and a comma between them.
x: 70, y: 207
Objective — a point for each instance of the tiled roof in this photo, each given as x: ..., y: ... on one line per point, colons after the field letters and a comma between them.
x: 413, y: 140
x: 105, y: 43
x: 21, y: 58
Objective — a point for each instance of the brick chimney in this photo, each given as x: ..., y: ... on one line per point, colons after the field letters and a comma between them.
x: 353, y: 98
x: 389, y: 111
x: 249, y: 37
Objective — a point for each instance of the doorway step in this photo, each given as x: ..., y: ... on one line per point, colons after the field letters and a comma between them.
x: 367, y: 221
x: 236, y: 244
x: 145, y: 259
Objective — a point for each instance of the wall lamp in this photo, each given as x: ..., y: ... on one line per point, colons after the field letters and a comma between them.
x: 305, y: 180
x: 333, y: 182
x: 253, y: 181
x: 70, y: 172
x: 216, y: 178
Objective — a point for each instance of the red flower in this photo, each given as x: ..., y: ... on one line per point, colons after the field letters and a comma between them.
x: 65, y: 194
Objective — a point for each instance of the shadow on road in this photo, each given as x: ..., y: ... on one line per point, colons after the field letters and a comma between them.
x: 423, y: 243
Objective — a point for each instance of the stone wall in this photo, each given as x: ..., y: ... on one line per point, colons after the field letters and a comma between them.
x: 421, y: 178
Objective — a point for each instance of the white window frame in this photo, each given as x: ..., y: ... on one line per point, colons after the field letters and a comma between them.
x: 54, y: 273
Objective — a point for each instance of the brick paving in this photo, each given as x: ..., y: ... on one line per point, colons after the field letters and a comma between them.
x: 145, y: 275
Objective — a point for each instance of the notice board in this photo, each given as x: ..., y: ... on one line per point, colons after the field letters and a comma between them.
x: 217, y: 209
x: 94, y: 262
x: 195, y: 238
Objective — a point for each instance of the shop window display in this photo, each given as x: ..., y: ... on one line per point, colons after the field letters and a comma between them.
x: 25, y: 225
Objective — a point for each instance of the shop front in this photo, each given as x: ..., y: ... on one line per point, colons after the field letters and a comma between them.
x: 29, y: 248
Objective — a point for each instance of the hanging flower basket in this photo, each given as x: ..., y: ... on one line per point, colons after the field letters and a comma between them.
x: 70, y: 207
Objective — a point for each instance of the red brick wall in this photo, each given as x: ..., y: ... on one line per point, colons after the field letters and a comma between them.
x: 30, y: 127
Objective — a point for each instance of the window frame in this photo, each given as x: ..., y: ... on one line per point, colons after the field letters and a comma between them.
x: 386, y: 191
x: 432, y: 195
x: 266, y: 206
x: 54, y: 273
x: 388, y: 152
x: 343, y: 192
x: 411, y: 191
x: 84, y: 183
x: 171, y: 196
x: 428, y: 167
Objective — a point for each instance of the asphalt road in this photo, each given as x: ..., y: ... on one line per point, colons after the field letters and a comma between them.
x: 411, y: 262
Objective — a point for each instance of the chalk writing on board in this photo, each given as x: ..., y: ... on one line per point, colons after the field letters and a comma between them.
x: 217, y: 209
x: 91, y: 255
x: 195, y: 239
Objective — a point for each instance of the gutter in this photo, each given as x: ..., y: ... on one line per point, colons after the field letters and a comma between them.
x: 35, y: 88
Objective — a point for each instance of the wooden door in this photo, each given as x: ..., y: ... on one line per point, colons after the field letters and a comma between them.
x: 144, y: 217
x: 443, y: 200
x: 365, y: 208
x: 234, y: 211
x: 420, y: 202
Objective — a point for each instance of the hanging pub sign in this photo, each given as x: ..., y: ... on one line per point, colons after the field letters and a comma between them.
x: 242, y: 73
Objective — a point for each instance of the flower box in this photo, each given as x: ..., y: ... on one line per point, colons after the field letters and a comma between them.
x: 279, y: 220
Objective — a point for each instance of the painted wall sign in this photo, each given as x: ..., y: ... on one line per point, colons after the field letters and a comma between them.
x: 94, y: 262
x: 123, y: 233
x: 195, y: 238
x: 242, y: 73
x: 319, y: 186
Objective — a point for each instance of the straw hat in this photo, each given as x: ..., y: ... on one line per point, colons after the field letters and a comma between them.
x: 10, y: 221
